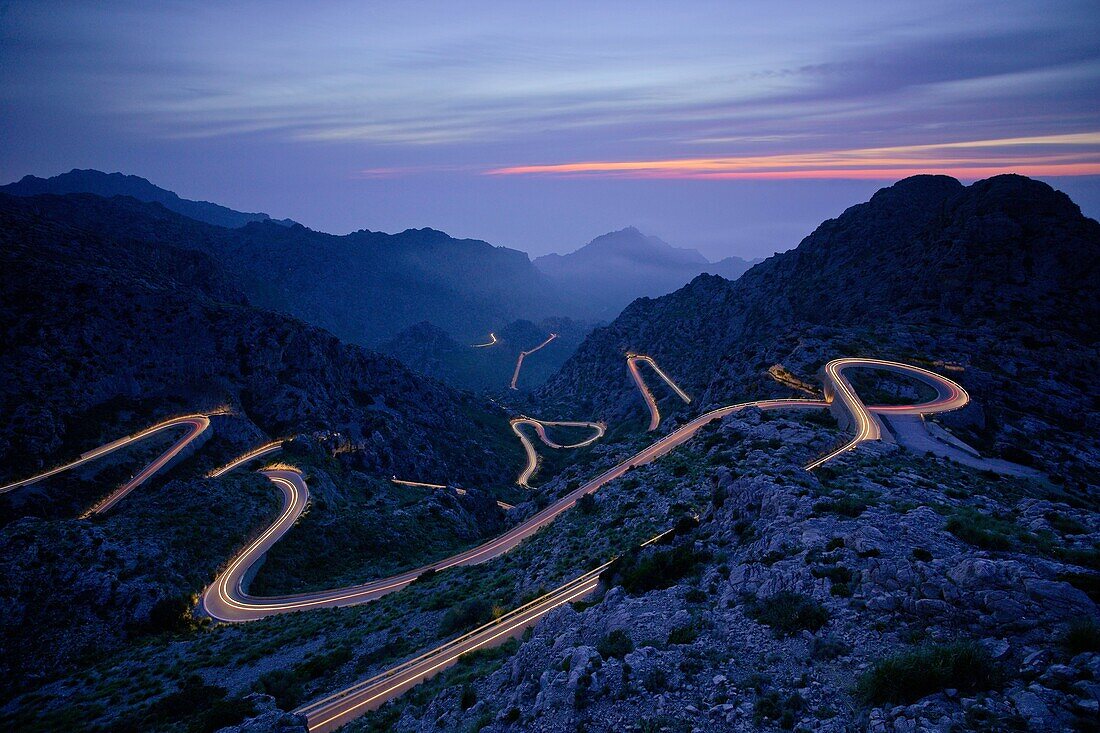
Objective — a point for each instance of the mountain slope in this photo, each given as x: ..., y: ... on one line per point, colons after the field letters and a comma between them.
x: 105, y: 335
x: 364, y: 287
x: 613, y: 269
x: 109, y: 185
x: 1002, y: 277
x: 431, y: 350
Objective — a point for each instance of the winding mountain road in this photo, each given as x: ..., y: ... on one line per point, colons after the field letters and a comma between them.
x: 632, y: 361
x: 540, y: 428
x: 196, y: 424
x: 524, y: 354
x: 491, y: 342
x: 226, y: 599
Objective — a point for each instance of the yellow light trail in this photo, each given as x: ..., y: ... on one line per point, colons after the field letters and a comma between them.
x: 258, y: 452
x: 423, y: 484
x: 226, y: 599
x: 524, y: 354
x: 491, y: 342
x: 650, y: 401
x: 540, y: 428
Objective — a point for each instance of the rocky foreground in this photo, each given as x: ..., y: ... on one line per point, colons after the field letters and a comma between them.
x: 888, y: 592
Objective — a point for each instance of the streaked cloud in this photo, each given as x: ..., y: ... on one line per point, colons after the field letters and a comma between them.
x: 303, y: 108
x: 1050, y: 155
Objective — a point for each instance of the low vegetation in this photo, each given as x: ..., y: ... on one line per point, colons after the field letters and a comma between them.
x: 787, y: 613
x: 642, y: 572
x: 909, y: 675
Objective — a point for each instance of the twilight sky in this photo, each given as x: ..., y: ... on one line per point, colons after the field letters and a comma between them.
x: 731, y: 127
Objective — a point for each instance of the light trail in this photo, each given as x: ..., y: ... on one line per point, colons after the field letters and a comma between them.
x: 226, y: 598
x: 263, y: 450
x: 196, y: 423
x: 422, y: 484
x: 491, y: 342
x: 338, y: 709
x: 540, y: 428
x: 524, y: 354
x: 632, y: 364
x: 949, y: 396
x: 330, y: 713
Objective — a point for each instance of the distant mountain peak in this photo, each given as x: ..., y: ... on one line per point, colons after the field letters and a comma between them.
x: 631, y: 243
x: 109, y: 185
x: 615, y: 268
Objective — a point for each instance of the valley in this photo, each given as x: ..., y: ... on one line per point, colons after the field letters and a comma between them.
x: 315, y: 461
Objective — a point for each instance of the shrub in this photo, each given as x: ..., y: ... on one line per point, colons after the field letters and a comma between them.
x: 787, y: 613
x: 469, y: 697
x: 641, y: 573
x: 287, y: 685
x: 695, y: 595
x: 1066, y: 525
x: 771, y: 706
x: 426, y: 575
x: 656, y: 680
x: 171, y: 615
x: 827, y: 648
x: 465, y: 616
x: 835, y: 573
x: 921, y: 554
x: 616, y: 644
x: 845, y: 506
x: 915, y: 673
x: 1083, y: 635
x: 683, y: 634
x: 981, y: 530
x: 840, y: 590
x: 587, y: 504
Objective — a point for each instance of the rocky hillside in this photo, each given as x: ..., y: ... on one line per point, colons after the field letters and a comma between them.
x: 367, y: 287
x: 610, y: 271
x: 363, y: 287
x: 432, y: 351
x: 95, y: 320
x: 887, y: 593
x: 107, y: 334
x: 1001, y: 278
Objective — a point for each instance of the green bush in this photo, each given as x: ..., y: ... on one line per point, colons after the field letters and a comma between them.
x: 287, y: 685
x: 828, y: 648
x: 784, y: 711
x: 1066, y: 525
x: 616, y: 644
x: 981, y: 530
x: 908, y: 676
x: 587, y: 504
x: 465, y: 615
x: 849, y: 505
x: 835, y: 573
x: 203, y: 707
x: 921, y: 554
x: 641, y: 573
x: 469, y: 697
x: 171, y: 615
x: 1083, y: 635
x: 788, y: 613
x: 683, y: 634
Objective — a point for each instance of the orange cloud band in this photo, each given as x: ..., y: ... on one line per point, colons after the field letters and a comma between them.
x: 868, y: 163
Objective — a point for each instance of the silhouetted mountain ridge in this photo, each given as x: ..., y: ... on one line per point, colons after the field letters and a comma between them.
x: 118, y: 184
x: 1002, y: 277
